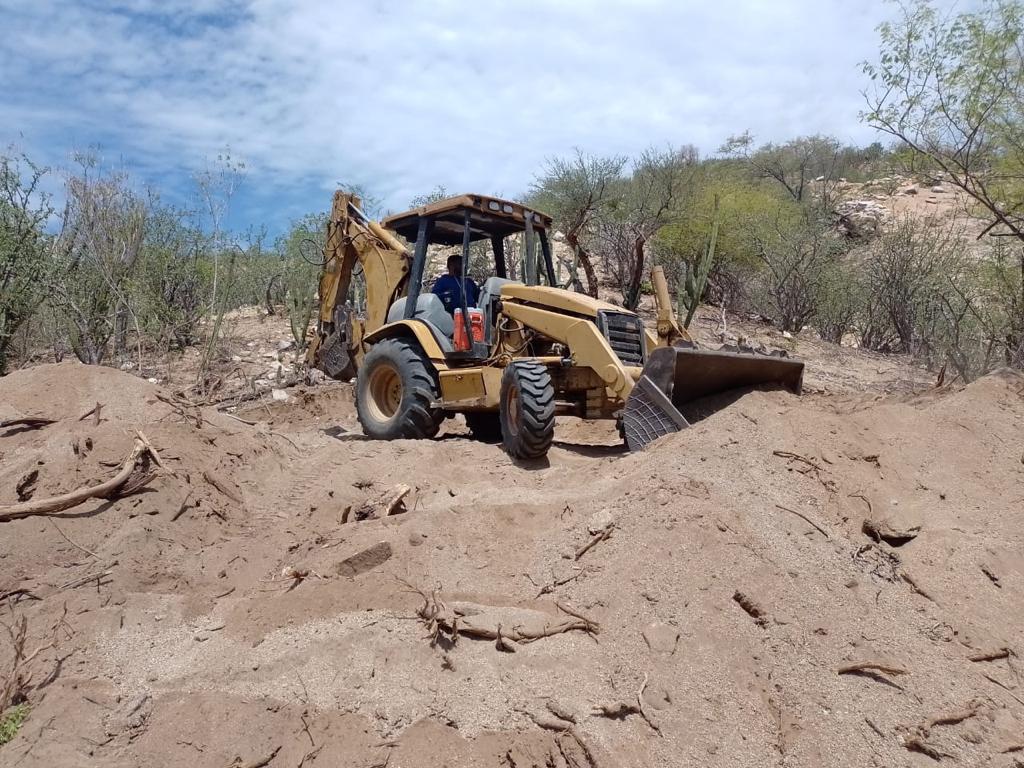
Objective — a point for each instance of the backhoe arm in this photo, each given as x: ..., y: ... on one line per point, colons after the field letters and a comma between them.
x: 353, y: 238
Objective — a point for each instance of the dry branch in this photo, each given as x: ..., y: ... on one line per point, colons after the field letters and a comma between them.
x: 806, y: 519
x: 26, y: 423
x: 389, y: 503
x: 640, y: 704
x: 871, y: 666
x: 258, y: 763
x: 598, y: 537
x: 221, y: 486
x: 135, y: 472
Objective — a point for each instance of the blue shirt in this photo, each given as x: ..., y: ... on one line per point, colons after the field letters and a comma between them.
x: 449, y: 289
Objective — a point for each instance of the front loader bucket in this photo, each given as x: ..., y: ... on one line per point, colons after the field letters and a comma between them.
x: 675, y: 376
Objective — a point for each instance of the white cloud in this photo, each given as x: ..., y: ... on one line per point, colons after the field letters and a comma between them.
x: 405, y: 95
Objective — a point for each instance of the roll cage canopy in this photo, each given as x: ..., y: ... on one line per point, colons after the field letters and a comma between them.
x: 468, y: 218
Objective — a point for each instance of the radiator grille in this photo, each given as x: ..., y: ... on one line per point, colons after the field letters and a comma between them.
x: 625, y: 335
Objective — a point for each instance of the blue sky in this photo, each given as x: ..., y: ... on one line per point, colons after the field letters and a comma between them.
x: 401, y: 96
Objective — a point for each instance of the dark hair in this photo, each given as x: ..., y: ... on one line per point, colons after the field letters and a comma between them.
x: 452, y: 258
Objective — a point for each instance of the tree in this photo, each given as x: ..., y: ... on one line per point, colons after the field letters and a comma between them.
x: 645, y: 203
x: 797, y: 248
x: 436, y: 194
x: 24, y: 248
x: 103, y: 228
x: 575, y: 192
x: 793, y: 165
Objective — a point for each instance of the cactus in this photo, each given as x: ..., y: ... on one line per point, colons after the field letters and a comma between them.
x: 695, y: 274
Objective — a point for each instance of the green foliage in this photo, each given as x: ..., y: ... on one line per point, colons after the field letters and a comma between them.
x: 24, y: 247
x: 695, y: 279
x: 301, y: 251
x: 950, y: 88
x: 12, y: 720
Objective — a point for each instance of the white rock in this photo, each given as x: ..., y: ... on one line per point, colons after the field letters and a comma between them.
x: 280, y: 395
x: 938, y: 188
x: 151, y: 380
x: 269, y: 355
x: 261, y: 384
x: 315, y: 376
x: 236, y: 359
x: 787, y: 335
x: 284, y: 344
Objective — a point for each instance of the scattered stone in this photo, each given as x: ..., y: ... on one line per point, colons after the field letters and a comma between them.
x: 911, y: 191
x: 416, y: 538
x: 315, y: 376
x: 365, y: 560
x: 285, y: 344
x: 280, y: 395
x: 661, y: 638
x: 861, y: 218
x: 938, y: 188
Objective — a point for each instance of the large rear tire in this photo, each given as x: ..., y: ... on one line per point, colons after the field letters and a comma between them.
x: 527, y: 410
x: 395, y: 387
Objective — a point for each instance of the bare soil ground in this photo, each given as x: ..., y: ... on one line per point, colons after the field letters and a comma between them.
x: 227, y: 616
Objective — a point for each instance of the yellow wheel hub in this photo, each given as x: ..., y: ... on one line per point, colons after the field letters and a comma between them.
x: 385, y: 389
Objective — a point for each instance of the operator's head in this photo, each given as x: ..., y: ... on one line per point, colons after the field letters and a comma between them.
x: 455, y: 264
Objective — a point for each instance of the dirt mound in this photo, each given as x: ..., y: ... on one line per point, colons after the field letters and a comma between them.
x: 790, y: 581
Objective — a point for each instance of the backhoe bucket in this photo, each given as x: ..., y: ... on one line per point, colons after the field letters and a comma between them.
x: 675, y: 376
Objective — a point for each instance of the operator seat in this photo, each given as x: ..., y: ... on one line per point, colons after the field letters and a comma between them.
x: 429, y: 309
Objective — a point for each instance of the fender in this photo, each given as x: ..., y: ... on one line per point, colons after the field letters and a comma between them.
x: 414, y: 329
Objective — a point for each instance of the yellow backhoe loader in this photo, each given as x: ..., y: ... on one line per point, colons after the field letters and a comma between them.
x: 526, y: 352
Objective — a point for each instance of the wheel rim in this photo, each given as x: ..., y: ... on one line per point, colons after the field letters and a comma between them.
x: 512, y: 409
x: 385, y: 389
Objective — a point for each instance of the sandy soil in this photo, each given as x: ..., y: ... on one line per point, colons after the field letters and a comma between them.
x: 736, y: 582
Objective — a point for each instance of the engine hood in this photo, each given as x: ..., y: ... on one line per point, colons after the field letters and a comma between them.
x: 557, y: 298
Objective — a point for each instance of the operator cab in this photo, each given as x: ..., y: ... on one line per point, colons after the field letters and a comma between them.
x: 463, y: 221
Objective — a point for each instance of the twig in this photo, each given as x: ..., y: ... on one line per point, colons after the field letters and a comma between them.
x: 871, y: 666
x: 75, y: 583
x: 219, y: 484
x: 874, y: 727
x: 576, y: 614
x: 1003, y: 686
x: 94, y: 412
x: 806, y: 519
x: 640, y: 704
x: 598, y: 537
x: 915, y: 587
x: 72, y: 542
x: 258, y: 763
x: 140, y: 454
x: 183, y: 507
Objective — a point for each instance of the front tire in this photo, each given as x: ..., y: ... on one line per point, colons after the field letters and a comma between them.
x: 395, y: 387
x: 527, y: 410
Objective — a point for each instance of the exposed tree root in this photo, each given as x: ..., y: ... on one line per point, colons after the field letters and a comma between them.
x: 135, y: 472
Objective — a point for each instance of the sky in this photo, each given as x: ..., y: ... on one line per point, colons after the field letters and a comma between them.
x: 399, y: 97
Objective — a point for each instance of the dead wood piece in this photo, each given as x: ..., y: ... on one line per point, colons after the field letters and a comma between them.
x: 390, y: 502
x: 640, y: 704
x: 1012, y: 748
x: 917, y: 744
x: 753, y: 609
x: 260, y: 762
x: 1000, y: 653
x: 871, y: 666
x: 222, y: 486
x: 27, y: 485
x: 560, y: 712
x: 189, y: 411
x: 991, y: 575
x: 593, y: 626
x: 598, y: 537
x: 135, y: 472
x: 94, y: 412
x: 806, y: 519
x: 72, y: 542
x: 811, y: 466
x: 89, y: 578
x: 183, y: 506
x: 955, y: 718
x: 12, y: 427
x: 618, y: 710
